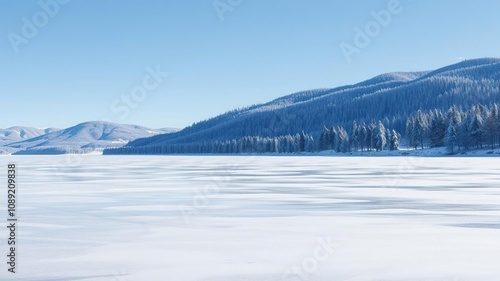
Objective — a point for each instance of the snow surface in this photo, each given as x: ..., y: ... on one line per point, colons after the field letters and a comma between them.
x: 95, y: 218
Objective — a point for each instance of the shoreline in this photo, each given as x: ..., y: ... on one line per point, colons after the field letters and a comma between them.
x: 427, y: 152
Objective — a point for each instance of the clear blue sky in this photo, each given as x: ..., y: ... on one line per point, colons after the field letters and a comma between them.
x: 91, y: 53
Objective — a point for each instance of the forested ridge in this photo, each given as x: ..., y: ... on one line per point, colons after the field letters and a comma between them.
x: 453, y: 106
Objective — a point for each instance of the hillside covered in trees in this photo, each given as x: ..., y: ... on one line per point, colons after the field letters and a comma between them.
x: 455, y: 106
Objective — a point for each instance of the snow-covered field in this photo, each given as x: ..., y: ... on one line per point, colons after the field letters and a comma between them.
x: 255, y: 218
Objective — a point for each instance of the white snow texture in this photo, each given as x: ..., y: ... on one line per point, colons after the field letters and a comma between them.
x: 248, y: 218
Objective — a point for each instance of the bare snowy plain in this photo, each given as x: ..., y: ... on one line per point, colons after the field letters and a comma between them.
x: 96, y: 218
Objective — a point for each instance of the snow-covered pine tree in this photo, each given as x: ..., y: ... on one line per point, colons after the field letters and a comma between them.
x: 420, y: 129
x: 302, y: 142
x: 491, y: 126
x: 354, y: 136
x: 334, y: 139
x: 395, y: 138
x: 388, y: 135
x: 451, y: 137
x: 498, y: 126
x: 324, y: 139
x: 438, y: 126
x: 362, y: 135
x: 372, y: 134
x: 380, y: 138
x: 476, y: 127
x: 309, y: 143
x: 464, y: 130
x: 343, y: 138
x: 409, y: 133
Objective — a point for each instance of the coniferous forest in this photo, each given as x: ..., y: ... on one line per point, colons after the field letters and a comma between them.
x: 454, y: 107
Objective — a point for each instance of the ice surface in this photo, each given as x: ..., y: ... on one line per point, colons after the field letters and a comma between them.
x: 255, y: 218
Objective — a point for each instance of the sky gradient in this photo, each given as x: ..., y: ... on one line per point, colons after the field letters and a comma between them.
x: 107, y: 60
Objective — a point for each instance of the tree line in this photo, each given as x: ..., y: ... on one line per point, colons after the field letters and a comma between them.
x: 301, y: 142
x: 456, y: 129
x: 363, y: 137
x: 390, y: 98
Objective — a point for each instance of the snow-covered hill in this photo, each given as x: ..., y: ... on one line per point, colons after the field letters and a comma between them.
x: 17, y: 134
x: 85, y: 137
x: 388, y: 97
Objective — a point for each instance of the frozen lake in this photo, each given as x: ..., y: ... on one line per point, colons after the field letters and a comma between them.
x: 255, y: 218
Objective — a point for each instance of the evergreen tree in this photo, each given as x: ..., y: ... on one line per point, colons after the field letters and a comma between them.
x: 343, y: 143
x: 498, y: 127
x: 371, y: 135
x: 409, y: 133
x: 394, y: 143
x: 380, y: 138
x: 491, y: 125
x: 302, y: 142
x: 362, y: 135
x: 476, y: 127
x: 438, y: 128
x: 451, y: 138
x: 388, y: 135
x: 334, y: 139
x: 354, y: 136
x: 324, y: 139
x: 309, y: 143
x: 419, y: 129
x: 464, y: 131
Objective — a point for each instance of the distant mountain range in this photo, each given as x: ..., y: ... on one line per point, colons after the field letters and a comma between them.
x: 391, y: 98
x: 293, y: 120
x: 17, y: 134
x: 82, y: 138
